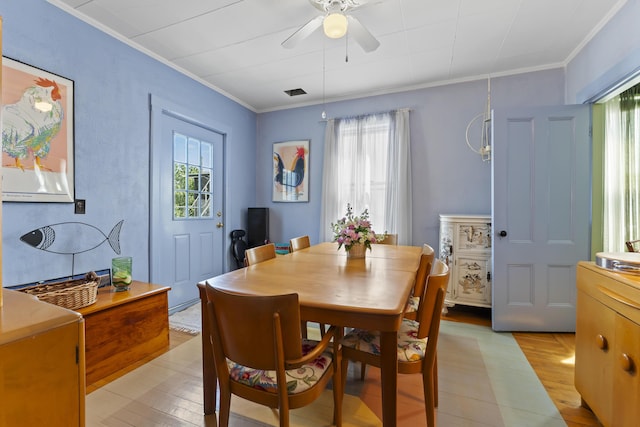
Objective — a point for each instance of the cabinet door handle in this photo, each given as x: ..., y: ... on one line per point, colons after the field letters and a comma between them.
x: 617, y: 297
x: 626, y: 363
x: 601, y: 342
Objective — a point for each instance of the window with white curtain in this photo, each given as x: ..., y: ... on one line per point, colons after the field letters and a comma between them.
x: 622, y: 170
x: 367, y: 164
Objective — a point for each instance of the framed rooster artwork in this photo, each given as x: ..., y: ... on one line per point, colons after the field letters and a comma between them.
x: 291, y: 171
x: 37, y: 135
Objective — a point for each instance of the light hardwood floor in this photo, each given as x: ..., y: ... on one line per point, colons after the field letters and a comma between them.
x: 550, y: 355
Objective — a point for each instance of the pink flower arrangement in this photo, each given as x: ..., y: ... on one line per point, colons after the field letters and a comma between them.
x: 354, y: 230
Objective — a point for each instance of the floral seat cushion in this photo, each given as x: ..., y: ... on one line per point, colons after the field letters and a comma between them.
x: 298, y: 380
x: 412, y: 305
x: 410, y: 347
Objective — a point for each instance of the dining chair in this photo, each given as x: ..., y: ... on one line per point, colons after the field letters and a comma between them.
x: 260, y: 253
x: 411, y: 309
x: 298, y: 243
x: 426, y: 261
x: 263, y: 358
x: 417, y: 341
x: 390, y: 239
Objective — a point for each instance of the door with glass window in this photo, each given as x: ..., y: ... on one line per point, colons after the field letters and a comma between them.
x: 187, y: 235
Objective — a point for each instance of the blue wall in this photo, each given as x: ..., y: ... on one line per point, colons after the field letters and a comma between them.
x: 112, y: 87
x: 447, y: 176
x: 611, y: 56
x: 113, y: 83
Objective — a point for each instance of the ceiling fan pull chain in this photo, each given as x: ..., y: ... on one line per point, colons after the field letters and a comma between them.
x: 324, y: 78
x: 346, y: 49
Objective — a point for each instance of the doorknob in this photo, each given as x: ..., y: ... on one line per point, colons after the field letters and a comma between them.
x: 503, y: 233
x: 219, y: 225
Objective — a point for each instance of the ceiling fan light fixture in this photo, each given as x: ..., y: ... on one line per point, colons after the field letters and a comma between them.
x: 335, y: 25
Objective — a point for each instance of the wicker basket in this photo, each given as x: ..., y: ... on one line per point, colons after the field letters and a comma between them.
x: 71, y: 294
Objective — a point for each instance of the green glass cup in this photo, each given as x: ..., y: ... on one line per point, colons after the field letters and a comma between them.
x: 121, y: 273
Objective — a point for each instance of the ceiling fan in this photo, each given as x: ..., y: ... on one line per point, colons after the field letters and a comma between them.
x: 336, y: 22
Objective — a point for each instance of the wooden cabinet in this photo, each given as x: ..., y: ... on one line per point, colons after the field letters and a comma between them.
x: 123, y: 328
x: 608, y: 344
x: 465, y: 246
x: 41, y: 363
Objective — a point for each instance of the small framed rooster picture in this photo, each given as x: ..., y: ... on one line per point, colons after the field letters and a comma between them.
x: 291, y: 171
x: 37, y: 135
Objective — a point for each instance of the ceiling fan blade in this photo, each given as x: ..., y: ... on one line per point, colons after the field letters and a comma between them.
x: 303, y: 32
x: 354, y: 4
x: 362, y: 35
x: 321, y: 5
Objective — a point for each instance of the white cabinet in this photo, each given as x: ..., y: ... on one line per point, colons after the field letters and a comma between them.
x: 465, y: 246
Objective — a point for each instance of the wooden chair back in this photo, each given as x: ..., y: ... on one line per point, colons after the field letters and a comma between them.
x: 240, y: 335
x: 390, y: 239
x: 298, y: 243
x: 430, y: 309
x: 426, y: 261
x: 260, y: 253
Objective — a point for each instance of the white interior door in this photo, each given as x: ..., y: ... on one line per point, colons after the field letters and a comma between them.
x: 187, y: 231
x: 541, y: 212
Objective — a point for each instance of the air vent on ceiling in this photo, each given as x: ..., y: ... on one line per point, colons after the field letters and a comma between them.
x: 295, y: 92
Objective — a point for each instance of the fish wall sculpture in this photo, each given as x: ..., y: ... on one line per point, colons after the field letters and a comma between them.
x: 71, y: 238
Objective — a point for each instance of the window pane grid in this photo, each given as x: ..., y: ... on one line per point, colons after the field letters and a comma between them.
x: 192, y: 178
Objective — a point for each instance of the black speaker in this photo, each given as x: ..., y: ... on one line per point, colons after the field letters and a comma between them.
x: 257, y: 226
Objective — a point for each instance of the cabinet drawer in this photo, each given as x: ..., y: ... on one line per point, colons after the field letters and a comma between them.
x: 473, y: 237
x: 619, y: 292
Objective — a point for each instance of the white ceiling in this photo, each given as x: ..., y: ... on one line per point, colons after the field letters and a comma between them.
x: 235, y: 47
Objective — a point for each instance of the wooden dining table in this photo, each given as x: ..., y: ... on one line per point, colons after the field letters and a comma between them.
x: 368, y: 293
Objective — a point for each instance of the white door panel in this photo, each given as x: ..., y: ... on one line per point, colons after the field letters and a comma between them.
x: 541, y: 201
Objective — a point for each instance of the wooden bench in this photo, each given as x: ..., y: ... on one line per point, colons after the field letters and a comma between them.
x: 122, y: 328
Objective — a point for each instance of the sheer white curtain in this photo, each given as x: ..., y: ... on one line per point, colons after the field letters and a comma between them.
x: 622, y: 171
x: 367, y: 163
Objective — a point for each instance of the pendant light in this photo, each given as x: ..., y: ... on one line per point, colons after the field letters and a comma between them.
x: 484, y: 150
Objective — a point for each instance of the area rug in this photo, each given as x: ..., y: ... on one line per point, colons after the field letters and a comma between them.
x: 187, y: 320
x: 484, y: 380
